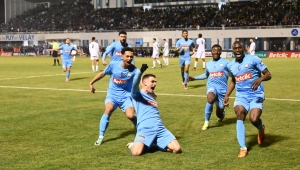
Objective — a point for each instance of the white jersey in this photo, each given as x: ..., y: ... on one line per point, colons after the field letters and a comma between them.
x: 201, y: 44
x: 166, y: 49
x: 94, y: 49
x: 252, y: 48
x: 155, y: 53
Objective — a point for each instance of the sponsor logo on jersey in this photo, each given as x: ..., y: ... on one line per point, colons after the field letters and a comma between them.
x: 67, y: 51
x: 152, y: 103
x: 185, y: 47
x: 216, y: 74
x: 118, y: 81
x: 118, y: 53
x: 243, y: 77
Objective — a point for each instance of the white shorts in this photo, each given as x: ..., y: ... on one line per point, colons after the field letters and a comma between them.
x: 200, y: 54
x: 166, y: 54
x: 155, y: 55
x: 94, y: 57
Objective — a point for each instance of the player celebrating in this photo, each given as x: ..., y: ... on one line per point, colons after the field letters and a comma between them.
x: 115, y: 48
x: 200, y: 45
x: 246, y: 77
x: 66, y: 50
x: 94, y: 53
x: 166, y: 52
x: 217, y: 74
x: 150, y: 129
x: 155, y: 53
x: 119, y: 90
x: 185, y: 47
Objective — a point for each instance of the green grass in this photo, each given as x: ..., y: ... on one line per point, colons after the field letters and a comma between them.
x: 47, y: 123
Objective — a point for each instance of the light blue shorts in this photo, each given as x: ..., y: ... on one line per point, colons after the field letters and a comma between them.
x: 184, y: 61
x: 66, y: 63
x: 157, y: 135
x: 250, y: 102
x: 220, y: 94
x: 123, y: 104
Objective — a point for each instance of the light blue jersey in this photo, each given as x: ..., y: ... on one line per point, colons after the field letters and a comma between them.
x: 150, y: 129
x: 186, y: 47
x: 66, y: 51
x: 245, y: 73
x: 217, y: 74
x: 120, y: 83
x: 114, y: 50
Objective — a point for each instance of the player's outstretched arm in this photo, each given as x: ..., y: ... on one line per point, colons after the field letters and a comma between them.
x: 201, y: 77
x: 95, y: 79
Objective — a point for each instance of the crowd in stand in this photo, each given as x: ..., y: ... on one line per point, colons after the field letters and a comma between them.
x: 81, y: 16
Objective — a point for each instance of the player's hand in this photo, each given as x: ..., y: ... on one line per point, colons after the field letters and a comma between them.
x: 144, y: 68
x: 190, y: 78
x: 92, y: 89
x: 104, y: 63
x: 256, y: 83
x: 225, y: 101
x: 191, y: 53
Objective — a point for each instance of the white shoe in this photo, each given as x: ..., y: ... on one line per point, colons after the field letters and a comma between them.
x: 153, y: 67
x: 99, y: 141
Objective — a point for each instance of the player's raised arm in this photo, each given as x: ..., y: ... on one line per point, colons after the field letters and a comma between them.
x: 137, y: 79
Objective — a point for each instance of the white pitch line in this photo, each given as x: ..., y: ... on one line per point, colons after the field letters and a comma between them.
x: 162, y: 94
x: 15, y: 78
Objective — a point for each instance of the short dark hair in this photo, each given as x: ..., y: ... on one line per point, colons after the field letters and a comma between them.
x: 200, y: 35
x: 216, y: 45
x: 147, y: 76
x: 93, y: 38
x: 126, y: 49
x: 154, y: 39
x: 238, y: 42
x: 122, y: 32
x: 164, y: 39
x: 184, y: 31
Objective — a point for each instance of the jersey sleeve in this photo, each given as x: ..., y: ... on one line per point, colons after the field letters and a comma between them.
x: 178, y: 44
x: 108, y: 50
x: 135, y: 91
x: 108, y: 69
x: 259, y: 64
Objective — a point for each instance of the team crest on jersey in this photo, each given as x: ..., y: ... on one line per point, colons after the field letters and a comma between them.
x: 129, y: 75
x: 261, y: 63
x: 221, y: 65
x: 123, y: 74
x: 246, y: 65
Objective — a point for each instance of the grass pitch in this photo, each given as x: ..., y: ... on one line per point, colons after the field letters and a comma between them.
x: 47, y: 123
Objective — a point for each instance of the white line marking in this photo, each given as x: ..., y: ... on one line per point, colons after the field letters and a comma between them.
x: 15, y: 78
x: 162, y: 94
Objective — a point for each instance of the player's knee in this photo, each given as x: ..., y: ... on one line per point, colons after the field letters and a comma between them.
x: 136, y: 152
x: 210, y: 100
x: 177, y: 149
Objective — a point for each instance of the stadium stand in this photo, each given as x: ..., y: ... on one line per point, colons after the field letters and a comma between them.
x: 81, y: 16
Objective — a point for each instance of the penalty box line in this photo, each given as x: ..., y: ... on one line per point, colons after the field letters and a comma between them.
x: 162, y: 94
